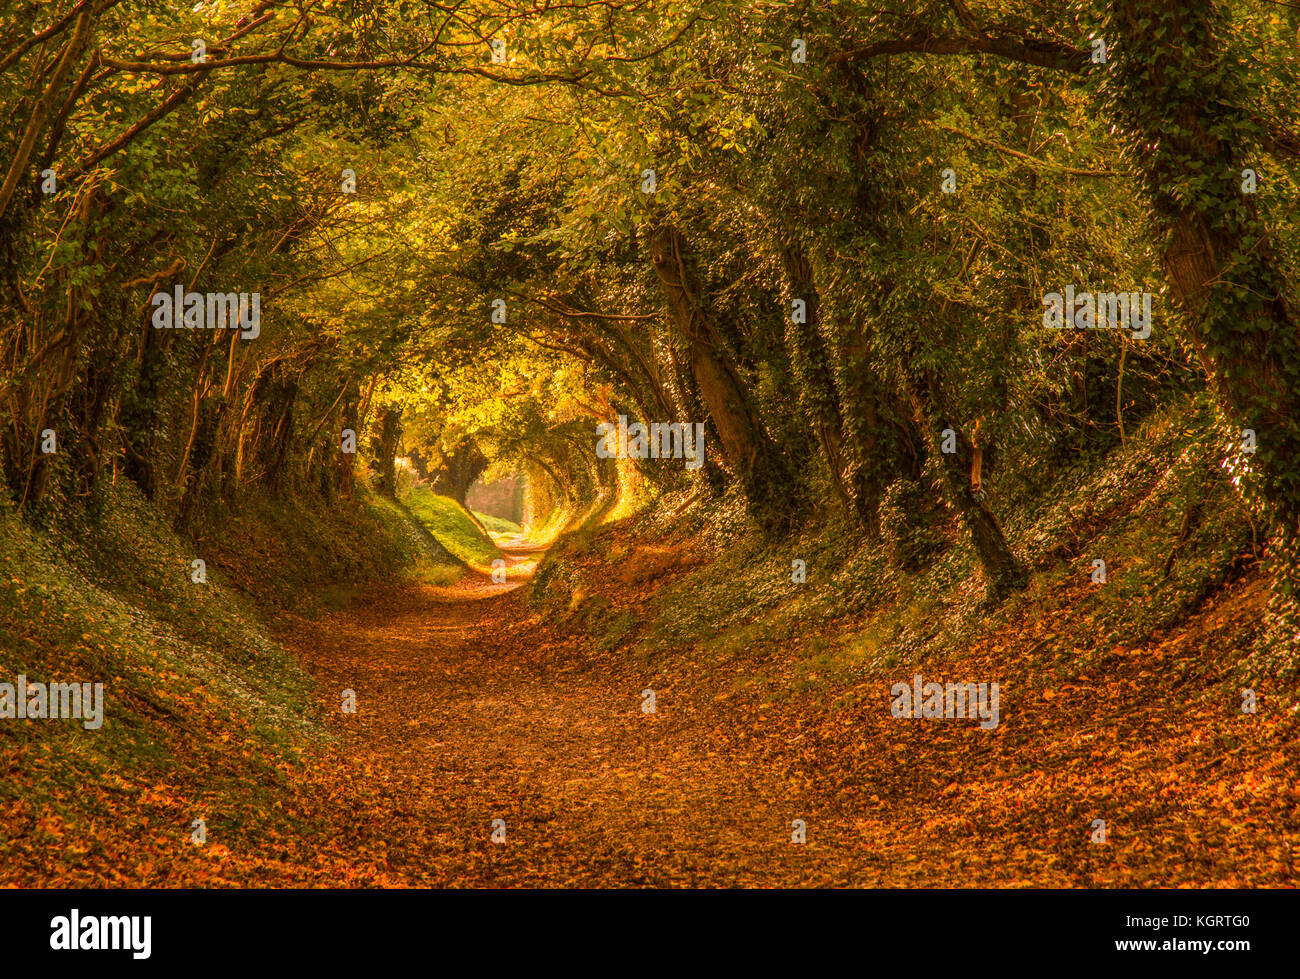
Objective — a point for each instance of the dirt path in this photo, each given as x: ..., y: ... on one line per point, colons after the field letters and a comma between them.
x: 469, y: 711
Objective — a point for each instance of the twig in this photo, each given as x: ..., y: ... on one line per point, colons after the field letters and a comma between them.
x: 1026, y: 157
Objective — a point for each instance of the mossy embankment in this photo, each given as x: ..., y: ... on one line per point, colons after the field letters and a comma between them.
x: 461, y: 533
x: 205, y: 714
x: 498, y: 525
x: 1172, y: 532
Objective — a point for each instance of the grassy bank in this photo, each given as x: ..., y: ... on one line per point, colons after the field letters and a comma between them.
x: 498, y: 525
x: 204, y: 713
x: 452, y: 526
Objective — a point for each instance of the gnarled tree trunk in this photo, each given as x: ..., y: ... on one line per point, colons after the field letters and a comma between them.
x: 768, y: 485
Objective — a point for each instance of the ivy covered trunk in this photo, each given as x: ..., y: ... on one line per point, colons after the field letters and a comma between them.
x: 811, y: 372
x: 390, y: 426
x: 1002, y: 568
x: 1181, y: 86
x: 766, y: 481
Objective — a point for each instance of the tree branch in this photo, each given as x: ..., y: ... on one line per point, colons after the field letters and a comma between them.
x: 1025, y: 156
x: 1029, y: 51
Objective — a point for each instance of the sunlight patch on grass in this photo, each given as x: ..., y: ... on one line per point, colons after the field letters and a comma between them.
x: 453, y: 527
x: 499, y: 527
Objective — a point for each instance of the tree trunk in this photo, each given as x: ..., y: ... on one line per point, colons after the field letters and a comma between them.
x: 819, y: 400
x: 345, y: 467
x: 390, y: 427
x: 766, y: 481
x: 459, y: 470
x: 1189, y: 110
x: 1003, y: 569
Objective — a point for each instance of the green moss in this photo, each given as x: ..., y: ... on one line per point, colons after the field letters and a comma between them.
x: 498, y: 525
x: 453, y: 527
